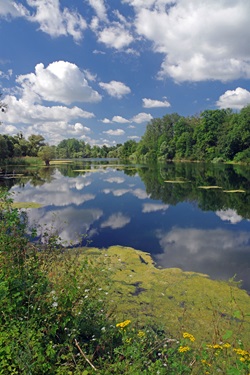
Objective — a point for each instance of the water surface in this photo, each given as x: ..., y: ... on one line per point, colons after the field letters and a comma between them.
x: 181, y: 224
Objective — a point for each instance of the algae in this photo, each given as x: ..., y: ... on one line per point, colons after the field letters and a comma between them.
x: 209, y: 187
x: 175, y: 299
x: 20, y: 205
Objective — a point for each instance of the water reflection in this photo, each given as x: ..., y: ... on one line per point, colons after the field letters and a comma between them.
x: 180, y: 224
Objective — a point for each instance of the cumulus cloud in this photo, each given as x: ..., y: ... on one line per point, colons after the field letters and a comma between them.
x: 201, y: 40
x: 106, y: 121
x: 151, y: 103
x: 141, y: 117
x: 115, y: 88
x: 120, y: 119
x: 235, y: 99
x: 22, y: 111
x: 100, y: 9
x: 57, y: 22
x: 115, y: 36
x: 60, y: 81
x: 12, y: 9
x: 115, y: 132
x: 116, y: 221
x: 48, y: 14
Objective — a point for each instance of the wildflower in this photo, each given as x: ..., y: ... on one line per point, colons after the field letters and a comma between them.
x: 241, y: 352
x: 141, y: 334
x: 54, y: 304
x: 205, y: 362
x: 123, y: 324
x: 227, y: 345
x: 188, y: 336
x: 183, y: 349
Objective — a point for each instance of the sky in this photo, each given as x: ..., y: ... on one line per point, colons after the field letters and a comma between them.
x: 101, y: 70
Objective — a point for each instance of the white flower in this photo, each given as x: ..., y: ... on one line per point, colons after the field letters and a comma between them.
x: 54, y: 304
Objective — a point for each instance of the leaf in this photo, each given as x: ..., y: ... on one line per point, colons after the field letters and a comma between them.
x: 237, y: 314
x: 227, y: 335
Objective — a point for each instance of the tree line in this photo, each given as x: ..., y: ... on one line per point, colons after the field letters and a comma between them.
x: 214, y: 135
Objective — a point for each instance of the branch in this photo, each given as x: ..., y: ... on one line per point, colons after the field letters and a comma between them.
x: 84, y: 356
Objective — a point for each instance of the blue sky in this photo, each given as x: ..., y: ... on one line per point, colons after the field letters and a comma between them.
x: 100, y: 70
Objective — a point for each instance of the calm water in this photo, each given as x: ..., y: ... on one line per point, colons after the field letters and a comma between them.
x: 180, y: 224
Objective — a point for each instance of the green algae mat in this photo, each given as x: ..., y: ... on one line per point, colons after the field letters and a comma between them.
x: 171, y: 298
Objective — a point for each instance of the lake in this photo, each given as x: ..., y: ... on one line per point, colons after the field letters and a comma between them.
x: 191, y: 216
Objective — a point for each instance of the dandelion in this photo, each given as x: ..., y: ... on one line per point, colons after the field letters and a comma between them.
x: 187, y: 335
x: 183, y: 349
x: 141, y: 334
x: 123, y: 324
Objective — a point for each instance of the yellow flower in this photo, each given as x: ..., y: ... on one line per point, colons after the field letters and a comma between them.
x: 141, y: 334
x: 187, y: 335
x: 227, y: 345
x: 183, y: 349
x: 242, y: 359
x: 216, y: 346
x: 123, y: 324
x: 241, y: 352
x: 205, y: 362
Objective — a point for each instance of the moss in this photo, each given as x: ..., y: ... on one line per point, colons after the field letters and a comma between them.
x: 26, y: 205
x: 209, y: 187
x: 171, y: 297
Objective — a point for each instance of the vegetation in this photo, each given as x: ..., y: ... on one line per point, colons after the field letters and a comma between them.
x: 215, y: 135
x: 58, y: 313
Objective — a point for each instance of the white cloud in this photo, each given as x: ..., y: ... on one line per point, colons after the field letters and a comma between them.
x: 235, y: 99
x: 22, y: 111
x: 115, y: 36
x: 116, y: 221
x: 57, y: 22
x: 115, y: 88
x: 120, y: 119
x: 99, y: 7
x: 61, y: 82
x: 141, y: 117
x: 11, y: 8
x: 114, y: 132
x: 106, y: 121
x: 150, y: 103
x: 201, y: 40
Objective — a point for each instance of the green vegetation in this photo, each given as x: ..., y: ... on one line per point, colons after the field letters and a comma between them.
x: 219, y: 135
x: 80, y: 311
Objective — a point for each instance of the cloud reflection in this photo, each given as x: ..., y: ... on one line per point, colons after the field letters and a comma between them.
x: 153, y: 207
x: 69, y: 223
x: 215, y: 252
x: 116, y: 221
x: 229, y: 215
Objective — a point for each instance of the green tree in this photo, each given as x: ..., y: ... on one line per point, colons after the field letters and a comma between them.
x: 47, y: 153
x: 35, y: 142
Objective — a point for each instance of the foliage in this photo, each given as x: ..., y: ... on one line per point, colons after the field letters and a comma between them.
x: 46, y: 153
x: 55, y: 317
